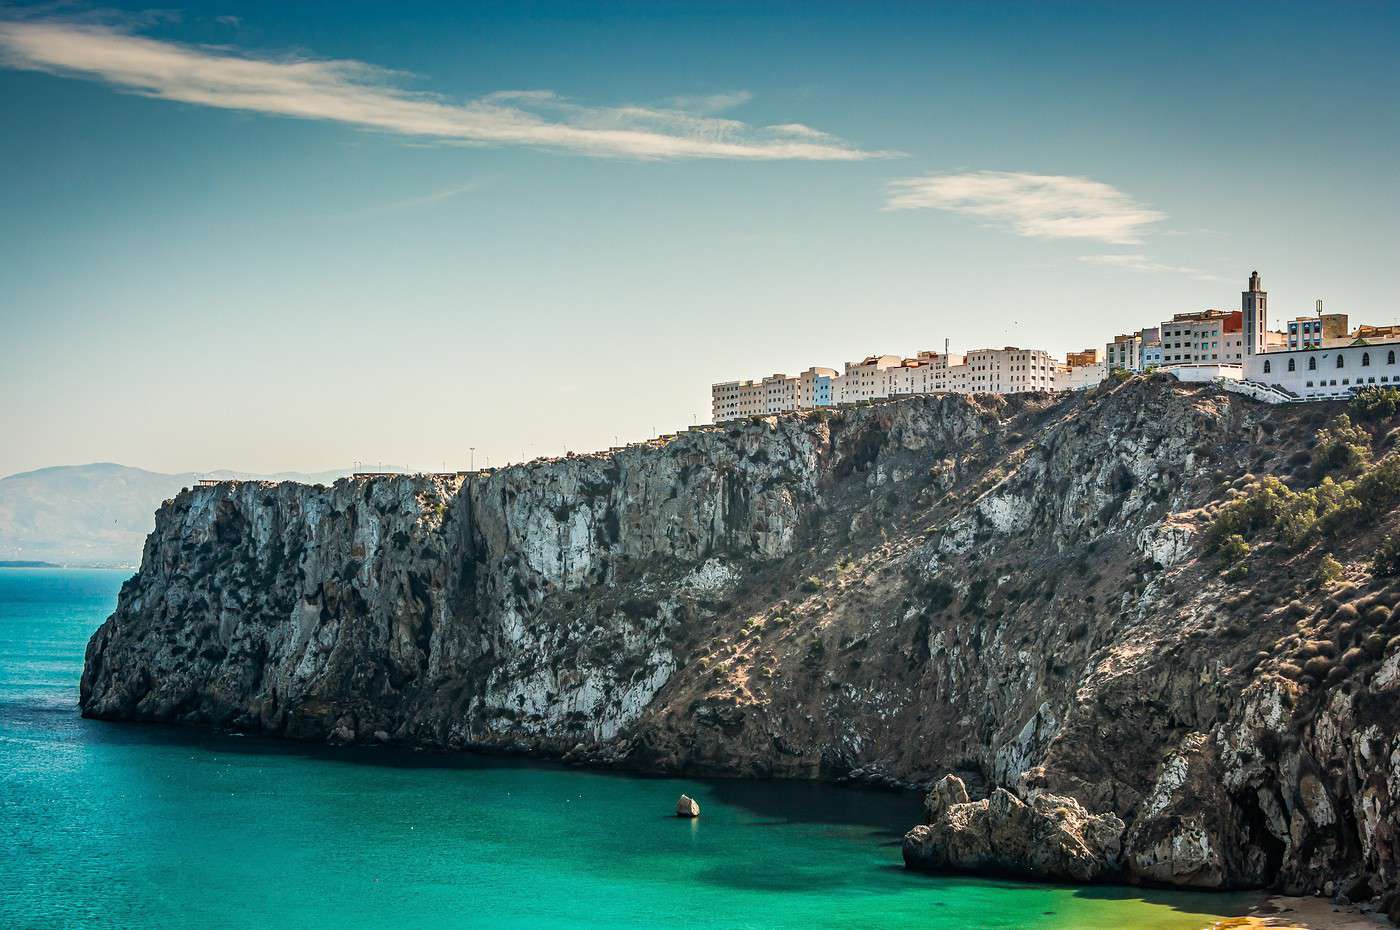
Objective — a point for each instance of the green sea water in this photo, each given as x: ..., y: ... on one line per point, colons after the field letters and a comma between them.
x: 118, y: 825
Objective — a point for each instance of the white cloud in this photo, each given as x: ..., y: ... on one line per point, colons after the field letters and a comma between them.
x: 1044, y: 206
x: 710, y: 103
x: 1139, y: 262
x: 360, y: 94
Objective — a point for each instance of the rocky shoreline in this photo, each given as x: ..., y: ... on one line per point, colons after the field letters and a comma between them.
x: 1027, y: 593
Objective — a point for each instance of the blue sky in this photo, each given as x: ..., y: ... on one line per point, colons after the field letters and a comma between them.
x: 277, y: 236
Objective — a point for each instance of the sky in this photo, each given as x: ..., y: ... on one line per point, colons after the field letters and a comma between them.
x: 272, y: 236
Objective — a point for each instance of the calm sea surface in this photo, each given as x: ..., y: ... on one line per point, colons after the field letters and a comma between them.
x: 113, y: 825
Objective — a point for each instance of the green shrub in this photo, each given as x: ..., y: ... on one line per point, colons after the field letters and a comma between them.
x: 1375, y: 403
x: 1386, y: 562
x: 1379, y: 489
x: 1341, y: 447
x: 1295, y: 519
x: 1329, y: 570
x: 1234, y: 551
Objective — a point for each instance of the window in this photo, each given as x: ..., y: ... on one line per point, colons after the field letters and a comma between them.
x: 1341, y: 362
x: 1267, y: 368
x: 1312, y: 364
x: 1365, y: 359
x: 1291, y: 365
x: 1390, y: 358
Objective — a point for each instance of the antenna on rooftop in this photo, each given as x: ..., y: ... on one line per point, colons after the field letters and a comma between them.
x: 1319, y: 306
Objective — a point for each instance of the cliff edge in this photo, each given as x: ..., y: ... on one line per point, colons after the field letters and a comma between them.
x: 1036, y: 594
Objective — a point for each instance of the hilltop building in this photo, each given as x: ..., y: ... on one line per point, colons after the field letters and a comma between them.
x: 1137, y: 351
x: 1254, y: 306
x: 872, y: 376
x: 773, y: 394
x: 1318, y: 358
x: 1308, y: 332
x: 1204, y: 337
x: 1008, y: 370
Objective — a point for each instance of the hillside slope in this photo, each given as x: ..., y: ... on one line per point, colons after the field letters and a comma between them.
x: 1016, y: 590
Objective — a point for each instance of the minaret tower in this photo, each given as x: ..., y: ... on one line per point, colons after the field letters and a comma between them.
x: 1254, y: 304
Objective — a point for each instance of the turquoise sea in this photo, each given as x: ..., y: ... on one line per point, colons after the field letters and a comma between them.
x: 116, y: 825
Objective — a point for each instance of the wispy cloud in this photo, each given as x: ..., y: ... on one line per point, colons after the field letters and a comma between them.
x: 709, y: 103
x: 359, y: 94
x: 437, y: 196
x: 1044, y: 206
x: 1139, y: 262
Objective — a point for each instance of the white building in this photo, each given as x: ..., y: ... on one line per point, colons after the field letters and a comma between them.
x: 1009, y: 370
x: 1202, y: 338
x: 778, y: 392
x: 1081, y: 377
x: 1320, y: 363
x: 1132, y: 351
x: 815, y: 387
x: 925, y: 373
x: 1320, y: 372
x: 872, y: 376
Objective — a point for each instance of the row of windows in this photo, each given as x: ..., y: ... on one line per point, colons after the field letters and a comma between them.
x: 1341, y: 362
x: 1346, y: 381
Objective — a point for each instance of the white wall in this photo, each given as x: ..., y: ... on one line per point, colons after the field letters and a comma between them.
x: 1327, y: 380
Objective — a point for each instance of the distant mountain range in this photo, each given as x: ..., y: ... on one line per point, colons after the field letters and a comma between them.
x: 97, y: 515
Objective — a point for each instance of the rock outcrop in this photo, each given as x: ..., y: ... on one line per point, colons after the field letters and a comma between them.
x: 1051, y: 837
x: 1016, y: 590
x: 687, y: 807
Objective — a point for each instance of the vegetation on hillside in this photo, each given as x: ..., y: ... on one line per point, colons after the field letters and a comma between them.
x: 1352, y: 490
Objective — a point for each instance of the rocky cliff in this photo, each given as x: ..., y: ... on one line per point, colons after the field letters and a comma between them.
x: 1030, y: 592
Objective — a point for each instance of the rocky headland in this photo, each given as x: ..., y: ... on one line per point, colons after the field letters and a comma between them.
x: 1148, y: 629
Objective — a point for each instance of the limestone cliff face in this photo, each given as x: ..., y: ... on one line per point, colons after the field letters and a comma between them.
x: 1012, y: 590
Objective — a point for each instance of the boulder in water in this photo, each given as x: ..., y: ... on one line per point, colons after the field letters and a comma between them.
x: 686, y: 807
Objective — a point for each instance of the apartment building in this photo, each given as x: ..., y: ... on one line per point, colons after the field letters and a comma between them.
x: 1008, y: 370
x: 872, y: 376
x: 815, y: 387
x: 1204, y: 337
x: 1080, y: 377
x: 773, y: 394
x: 925, y: 373
x: 1311, y: 332
x: 1131, y: 351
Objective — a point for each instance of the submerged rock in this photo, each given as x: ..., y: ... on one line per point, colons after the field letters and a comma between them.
x: 687, y: 807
